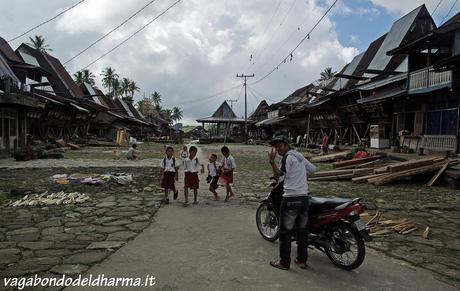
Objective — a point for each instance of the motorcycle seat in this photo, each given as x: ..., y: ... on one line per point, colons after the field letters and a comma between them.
x: 320, y: 203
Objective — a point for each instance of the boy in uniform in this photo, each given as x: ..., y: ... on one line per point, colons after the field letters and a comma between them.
x: 226, y: 176
x: 169, y: 173
x: 191, y: 180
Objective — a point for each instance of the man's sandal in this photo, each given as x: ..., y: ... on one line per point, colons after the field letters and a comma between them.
x: 277, y: 264
x: 301, y: 265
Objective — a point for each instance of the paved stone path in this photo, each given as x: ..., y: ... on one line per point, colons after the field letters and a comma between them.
x: 219, y: 248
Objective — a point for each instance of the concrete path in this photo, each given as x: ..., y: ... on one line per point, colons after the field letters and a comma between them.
x: 216, y: 247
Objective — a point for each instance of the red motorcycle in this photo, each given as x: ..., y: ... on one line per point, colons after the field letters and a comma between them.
x: 334, y: 226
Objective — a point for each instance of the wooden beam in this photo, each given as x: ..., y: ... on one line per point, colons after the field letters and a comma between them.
x: 356, y: 132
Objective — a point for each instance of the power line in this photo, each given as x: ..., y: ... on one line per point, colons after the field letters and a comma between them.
x: 133, y: 34
x: 307, y: 36
x: 45, y: 22
x: 108, y: 33
x: 277, y: 29
x: 263, y: 95
x: 267, y: 26
x: 436, y: 8
x: 450, y: 10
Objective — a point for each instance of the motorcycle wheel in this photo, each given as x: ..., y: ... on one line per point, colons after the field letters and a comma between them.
x: 346, y: 246
x: 267, y: 222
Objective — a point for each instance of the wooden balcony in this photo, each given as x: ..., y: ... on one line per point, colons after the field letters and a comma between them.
x: 427, y: 79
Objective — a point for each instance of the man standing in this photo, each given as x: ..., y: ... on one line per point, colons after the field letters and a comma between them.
x: 294, y: 206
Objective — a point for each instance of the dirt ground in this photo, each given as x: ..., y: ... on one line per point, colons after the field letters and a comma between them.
x: 437, y: 207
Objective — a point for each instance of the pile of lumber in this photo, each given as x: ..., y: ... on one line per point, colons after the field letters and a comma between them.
x: 397, y: 171
x: 378, y: 226
x: 370, y: 169
x: 356, y: 163
x: 346, y: 174
x: 331, y: 157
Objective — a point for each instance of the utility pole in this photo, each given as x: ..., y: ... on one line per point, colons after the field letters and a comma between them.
x: 231, y: 102
x: 245, y: 103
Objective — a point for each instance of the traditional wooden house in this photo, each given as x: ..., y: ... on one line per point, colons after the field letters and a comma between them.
x: 259, y: 114
x: 226, y: 123
x: 428, y: 112
x: 358, y: 100
x: 68, y: 114
x: 18, y: 108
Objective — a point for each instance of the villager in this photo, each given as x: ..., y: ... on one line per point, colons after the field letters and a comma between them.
x: 227, y: 168
x: 132, y: 153
x: 169, y: 173
x: 294, y: 206
x: 184, y: 154
x: 325, y: 144
x: 213, y: 175
x: 191, y: 179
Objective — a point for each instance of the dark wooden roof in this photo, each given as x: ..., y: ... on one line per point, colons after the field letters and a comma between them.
x: 8, y: 52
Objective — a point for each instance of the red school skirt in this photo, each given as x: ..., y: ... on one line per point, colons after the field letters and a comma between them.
x: 191, y: 180
x: 226, y: 178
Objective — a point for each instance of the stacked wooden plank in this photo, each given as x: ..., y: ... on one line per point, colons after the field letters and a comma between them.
x: 355, y: 162
x: 410, y: 168
x: 331, y: 157
x: 339, y: 174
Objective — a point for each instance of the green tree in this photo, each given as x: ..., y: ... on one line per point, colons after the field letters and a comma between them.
x: 124, y: 87
x: 327, y: 74
x: 39, y: 43
x: 108, y: 77
x: 133, y: 88
x: 177, y: 114
x: 84, y: 76
x: 156, y: 98
x: 116, y: 88
x: 168, y: 115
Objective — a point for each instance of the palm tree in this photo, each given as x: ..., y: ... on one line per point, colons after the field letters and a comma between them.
x: 327, y: 74
x: 116, y: 88
x: 84, y: 76
x: 167, y: 114
x: 133, y: 88
x: 177, y: 113
x: 156, y: 98
x: 108, y: 76
x: 124, y: 86
x: 38, y: 42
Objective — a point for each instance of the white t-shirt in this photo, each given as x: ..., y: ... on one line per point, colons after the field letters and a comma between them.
x: 191, y: 165
x: 213, y: 167
x: 295, y: 173
x: 168, y: 165
x: 228, y: 163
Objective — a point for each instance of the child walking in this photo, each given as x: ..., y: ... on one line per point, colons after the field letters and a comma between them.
x: 226, y: 176
x: 191, y: 166
x: 213, y: 175
x: 169, y: 173
x: 184, y: 155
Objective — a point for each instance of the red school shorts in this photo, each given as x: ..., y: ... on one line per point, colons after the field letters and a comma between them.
x: 191, y: 180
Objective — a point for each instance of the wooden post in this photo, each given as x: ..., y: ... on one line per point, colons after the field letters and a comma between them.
x: 356, y: 132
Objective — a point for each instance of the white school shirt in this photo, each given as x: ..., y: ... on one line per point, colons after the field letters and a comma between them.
x: 295, y: 174
x: 213, y: 169
x: 228, y: 163
x: 191, y: 165
x: 167, y: 164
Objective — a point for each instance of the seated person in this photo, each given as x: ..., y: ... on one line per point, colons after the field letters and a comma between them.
x: 132, y: 154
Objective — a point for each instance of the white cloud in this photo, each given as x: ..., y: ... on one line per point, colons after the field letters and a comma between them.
x: 196, y: 48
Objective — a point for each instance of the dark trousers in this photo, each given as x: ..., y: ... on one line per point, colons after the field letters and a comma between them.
x: 293, y: 213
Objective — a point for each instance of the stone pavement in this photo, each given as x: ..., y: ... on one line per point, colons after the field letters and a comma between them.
x: 219, y: 248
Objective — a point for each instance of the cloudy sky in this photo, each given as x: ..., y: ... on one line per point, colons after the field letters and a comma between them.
x: 196, y: 48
